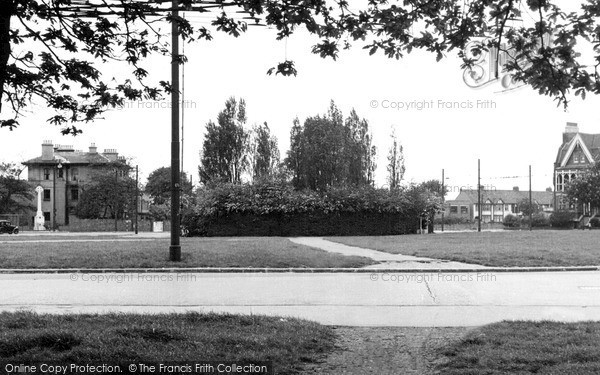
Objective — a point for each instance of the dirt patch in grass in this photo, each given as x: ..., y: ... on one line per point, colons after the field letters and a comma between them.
x: 290, y: 344
x: 386, y: 350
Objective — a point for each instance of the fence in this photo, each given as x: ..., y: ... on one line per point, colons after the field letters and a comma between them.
x: 105, y: 225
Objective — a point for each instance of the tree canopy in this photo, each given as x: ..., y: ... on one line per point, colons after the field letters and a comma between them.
x: 327, y: 151
x: 263, y: 152
x: 53, y: 50
x: 159, y: 185
x: 15, y: 194
x: 395, y: 166
x: 586, y: 188
x: 224, y: 150
x: 110, y: 192
x: 528, y: 209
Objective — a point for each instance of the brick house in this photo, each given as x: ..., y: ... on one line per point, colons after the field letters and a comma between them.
x: 62, y: 172
x: 576, y: 154
x: 496, y: 204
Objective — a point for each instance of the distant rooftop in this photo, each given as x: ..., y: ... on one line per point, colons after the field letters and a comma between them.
x: 506, y: 196
x: 52, y: 153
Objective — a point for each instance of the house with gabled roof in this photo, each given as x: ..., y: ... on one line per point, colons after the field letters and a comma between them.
x: 495, y: 204
x: 576, y: 154
x: 62, y: 172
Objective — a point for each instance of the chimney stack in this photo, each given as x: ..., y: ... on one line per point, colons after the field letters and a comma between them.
x: 111, y: 154
x: 93, y: 149
x: 570, y: 130
x: 63, y: 148
x: 47, y: 150
x: 572, y: 127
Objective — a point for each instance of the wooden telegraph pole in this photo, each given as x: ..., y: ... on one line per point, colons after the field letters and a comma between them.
x: 137, y: 197
x: 479, y: 195
x: 530, y: 201
x: 443, y: 200
x: 175, y: 247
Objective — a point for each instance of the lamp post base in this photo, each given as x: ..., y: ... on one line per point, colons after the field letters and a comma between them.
x: 175, y: 253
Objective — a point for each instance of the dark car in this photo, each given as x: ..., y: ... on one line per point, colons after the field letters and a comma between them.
x: 7, y: 227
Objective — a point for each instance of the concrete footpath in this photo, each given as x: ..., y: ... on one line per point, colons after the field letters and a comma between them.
x: 387, y: 260
x: 427, y: 299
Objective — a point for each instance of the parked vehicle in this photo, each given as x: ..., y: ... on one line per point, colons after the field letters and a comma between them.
x: 7, y: 227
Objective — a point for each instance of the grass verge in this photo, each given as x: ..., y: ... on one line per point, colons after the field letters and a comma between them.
x: 290, y: 344
x: 270, y: 252
x: 525, y: 348
x: 543, y: 248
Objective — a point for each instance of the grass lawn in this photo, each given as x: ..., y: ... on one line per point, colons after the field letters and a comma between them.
x: 120, y: 338
x: 525, y: 348
x: 540, y: 248
x: 86, y: 252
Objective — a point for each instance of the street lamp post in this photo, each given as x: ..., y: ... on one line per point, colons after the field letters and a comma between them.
x: 66, y: 177
x: 57, y: 167
x: 116, y: 200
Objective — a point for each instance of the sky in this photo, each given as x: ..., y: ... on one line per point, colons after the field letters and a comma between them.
x: 439, y: 123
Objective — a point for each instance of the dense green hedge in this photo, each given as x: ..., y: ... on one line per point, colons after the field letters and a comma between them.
x: 451, y: 220
x: 562, y: 219
x: 539, y: 220
x: 279, y: 210
x: 512, y: 221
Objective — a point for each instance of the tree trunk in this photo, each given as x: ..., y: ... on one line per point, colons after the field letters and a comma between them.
x: 6, y: 11
x: 430, y: 226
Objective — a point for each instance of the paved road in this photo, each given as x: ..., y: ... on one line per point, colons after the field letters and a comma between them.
x: 378, y: 299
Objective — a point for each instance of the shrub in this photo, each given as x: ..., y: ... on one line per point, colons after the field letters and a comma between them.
x: 452, y: 220
x: 160, y: 212
x: 511, y: 221
x: 562, y: 219
x: 540, y: 220
x: 595, y: 222
x: 276, y: 209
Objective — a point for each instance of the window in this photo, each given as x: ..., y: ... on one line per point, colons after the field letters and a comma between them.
x: 46, y: 173
x: 46, y: 194
x: 464, y: 209
x: 74, y: 194
x: 75, y: 174
x: 453, y: 209
x: 47, y: 216
x: 498, y: 218
x: 60, y: 173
